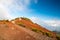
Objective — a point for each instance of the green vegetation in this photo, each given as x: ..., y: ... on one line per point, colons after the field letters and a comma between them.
x: 21, y: 24
x: 16, y: 18
x: 41, y: 31
x: 7, y: 20
x: 34, y: 29
x: 24, y: 18
x: 4, y: 20
x: 44, y: 33
x: 12, y: 19
x: 47, y: 34
x: 58, y: 36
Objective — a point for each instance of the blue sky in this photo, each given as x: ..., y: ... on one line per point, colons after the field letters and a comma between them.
x: 46, y: 8
x: 43, y: 12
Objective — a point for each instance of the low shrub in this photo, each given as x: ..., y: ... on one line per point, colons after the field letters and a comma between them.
x: 48, y: 34
x: 7, y: 20
x: 58, y: 37
x: 41, y: 32
x: 25, y: 18
x: 35, y: 30
x: 21, y: 24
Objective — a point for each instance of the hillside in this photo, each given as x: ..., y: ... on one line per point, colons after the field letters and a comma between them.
x: 24, y: 29
x: 57, y: 34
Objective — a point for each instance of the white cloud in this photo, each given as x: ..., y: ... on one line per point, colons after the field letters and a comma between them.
x: 6, y: 2
x: 6, y: 5
x: 48, y: 24
x: 54, y: 23
x: 20, y: 5
x: 4, y: 12
x: 35, y: 19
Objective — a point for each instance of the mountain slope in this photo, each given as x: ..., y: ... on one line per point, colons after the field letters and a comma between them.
x: 10, y: 31
x: 29, y: 24
x: 21, y: 29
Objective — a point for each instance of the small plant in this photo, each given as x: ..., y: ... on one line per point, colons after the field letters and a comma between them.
x: 4, y: 20
x: 25, y: 18
x: 34, y: 29
x: 58, y: 38
x: 48, y: 34
x: 16, y: 18
x: 41, y: 31
x: 7, y: 20
x: 21, y: 24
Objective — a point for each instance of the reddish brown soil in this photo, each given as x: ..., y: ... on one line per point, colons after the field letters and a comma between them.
x: 10, y: 31
x: 29, y: 24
